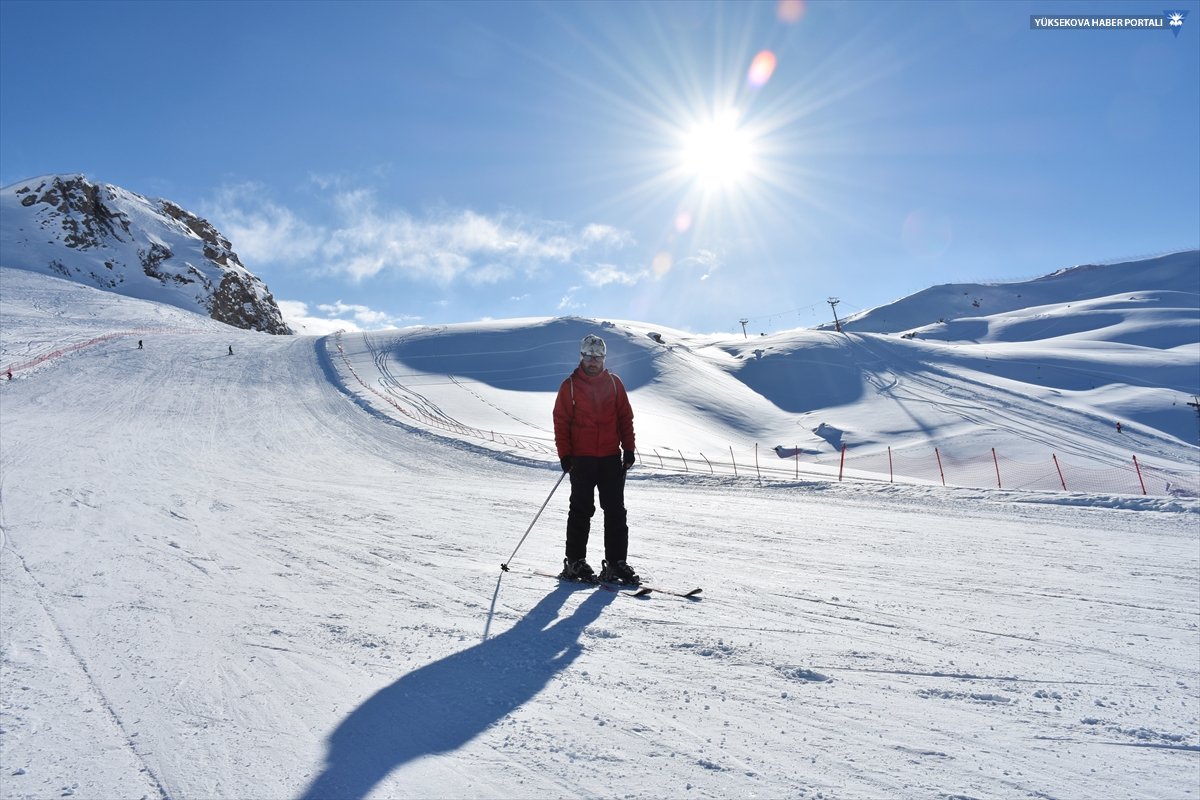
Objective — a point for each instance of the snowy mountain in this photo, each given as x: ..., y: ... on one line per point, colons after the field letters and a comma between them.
x: 960, y: 311
x: 275, y: 573
x: 152, y: 249
x: 1051, y: 379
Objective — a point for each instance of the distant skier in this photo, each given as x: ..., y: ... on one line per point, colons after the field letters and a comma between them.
x: 1118, y: 427
x: 593, y: 424
x: 230, y: 349
x: 9, y: 374
x: 139, y: 344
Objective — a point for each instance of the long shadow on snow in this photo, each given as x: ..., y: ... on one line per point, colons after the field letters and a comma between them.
x: 442, y: 706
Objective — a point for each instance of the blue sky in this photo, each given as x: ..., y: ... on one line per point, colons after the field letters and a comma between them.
x: 382, y: 164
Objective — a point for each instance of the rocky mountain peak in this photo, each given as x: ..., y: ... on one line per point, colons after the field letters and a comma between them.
x: 151, y: 249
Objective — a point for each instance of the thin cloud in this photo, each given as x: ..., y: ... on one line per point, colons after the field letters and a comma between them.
x: 261, y: 230
x: 444, y: 246
x: 361, y: 314
x: 568, y: 303
x: 605, y: 274
x: 606, y: 235
x: 707, y: 260
x: 329, y: 318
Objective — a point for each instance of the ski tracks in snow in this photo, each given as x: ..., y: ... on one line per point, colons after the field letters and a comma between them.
x: 51, y: 649
x: 269, y: 571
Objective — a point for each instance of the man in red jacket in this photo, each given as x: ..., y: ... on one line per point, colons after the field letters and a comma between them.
x: 593, y: 424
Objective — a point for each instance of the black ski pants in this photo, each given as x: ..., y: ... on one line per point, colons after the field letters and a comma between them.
x: 589, y: 473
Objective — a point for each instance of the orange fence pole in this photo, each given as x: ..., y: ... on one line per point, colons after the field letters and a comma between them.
x: 1139, y: 472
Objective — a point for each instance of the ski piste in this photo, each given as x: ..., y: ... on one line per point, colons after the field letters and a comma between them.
x: 642, y: 589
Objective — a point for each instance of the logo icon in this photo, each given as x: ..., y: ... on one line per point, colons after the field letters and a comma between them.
x: 1175, y: 20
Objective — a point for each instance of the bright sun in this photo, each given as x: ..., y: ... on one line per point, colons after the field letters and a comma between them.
x: 717, y: 153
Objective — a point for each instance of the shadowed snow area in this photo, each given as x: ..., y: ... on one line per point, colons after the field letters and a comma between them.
x: 532, y: 356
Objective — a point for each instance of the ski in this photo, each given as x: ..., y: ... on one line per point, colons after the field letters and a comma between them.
x: 691, y: 594
x: 612, y: 587
x: 636, y: 590
x: 639, y: 590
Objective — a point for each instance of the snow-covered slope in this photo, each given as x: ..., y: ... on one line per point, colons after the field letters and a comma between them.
x: 1096, y: 381
x: 109, y: 237
x: 275, y: 574
x: 963, y: 311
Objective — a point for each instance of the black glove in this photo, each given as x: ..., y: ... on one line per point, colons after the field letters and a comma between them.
x: 627, y: 461
x: 567, y: 462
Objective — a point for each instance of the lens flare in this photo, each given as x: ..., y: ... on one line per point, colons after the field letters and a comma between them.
x: 789, y: 11
x: 683, y: 221
x: 661, y: 264
x: 761, y: 69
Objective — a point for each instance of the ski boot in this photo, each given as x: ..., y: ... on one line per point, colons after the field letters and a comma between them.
x: 578, y: 571
x: 619, y: 572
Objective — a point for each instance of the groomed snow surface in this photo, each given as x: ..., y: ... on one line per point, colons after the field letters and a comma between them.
x: 271, y: 575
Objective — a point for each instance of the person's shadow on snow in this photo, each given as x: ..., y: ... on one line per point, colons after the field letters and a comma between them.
x: 444, y: 705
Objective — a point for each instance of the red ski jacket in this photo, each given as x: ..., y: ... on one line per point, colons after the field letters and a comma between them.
x: 592, y: 416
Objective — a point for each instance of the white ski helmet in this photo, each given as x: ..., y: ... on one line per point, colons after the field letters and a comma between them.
x: 592, y: 345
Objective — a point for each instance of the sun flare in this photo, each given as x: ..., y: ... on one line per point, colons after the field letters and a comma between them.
x: 718, y: 153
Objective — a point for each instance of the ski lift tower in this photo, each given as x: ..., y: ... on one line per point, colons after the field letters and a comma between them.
x: 744, y: 334
x: 833, y: 301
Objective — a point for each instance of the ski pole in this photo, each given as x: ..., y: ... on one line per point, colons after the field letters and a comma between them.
x: 504, y: 566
